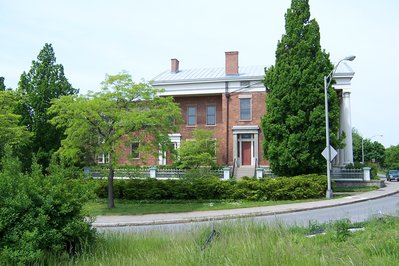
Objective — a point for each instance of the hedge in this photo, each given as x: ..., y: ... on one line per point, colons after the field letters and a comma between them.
x: 204, y: 188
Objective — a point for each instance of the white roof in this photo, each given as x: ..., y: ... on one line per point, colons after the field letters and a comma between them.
x: 209, y: 74
x: 217, y: 74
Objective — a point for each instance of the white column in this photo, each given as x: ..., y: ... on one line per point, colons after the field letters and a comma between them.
x: 235, y: 148
x: 346, y: 154
x: 256, y: 146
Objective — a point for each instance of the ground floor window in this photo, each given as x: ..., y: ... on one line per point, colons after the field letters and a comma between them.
x: 103, y: 158
x: 135, y: 154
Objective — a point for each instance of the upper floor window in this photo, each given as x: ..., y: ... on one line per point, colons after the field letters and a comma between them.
x: 211, y: 115
x: 191, y: 115
x: 245, y: 109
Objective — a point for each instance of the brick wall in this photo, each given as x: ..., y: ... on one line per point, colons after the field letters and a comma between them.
x: 219, y: 130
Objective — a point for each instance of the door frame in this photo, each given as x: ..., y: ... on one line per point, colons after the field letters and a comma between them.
x: 238, y: 132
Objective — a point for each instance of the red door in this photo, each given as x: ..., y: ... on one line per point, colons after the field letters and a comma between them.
x: 246, y: 153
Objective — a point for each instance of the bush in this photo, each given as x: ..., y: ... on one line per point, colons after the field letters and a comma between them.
x: 40, y: 214
x: 210, y: 187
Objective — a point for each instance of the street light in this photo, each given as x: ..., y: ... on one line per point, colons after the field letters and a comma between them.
x: 327, y: 81
x: 363, y: 146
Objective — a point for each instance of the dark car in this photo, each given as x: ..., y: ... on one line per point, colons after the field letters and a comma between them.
x: 393, y: 175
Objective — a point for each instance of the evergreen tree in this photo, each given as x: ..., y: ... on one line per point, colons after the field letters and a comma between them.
x: 2, y: 85
x: 294, y: 125
x: 44, y: 81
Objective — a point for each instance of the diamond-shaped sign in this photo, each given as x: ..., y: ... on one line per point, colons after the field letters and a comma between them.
x: 333, y: 153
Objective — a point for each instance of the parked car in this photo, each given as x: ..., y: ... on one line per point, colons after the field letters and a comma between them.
x: 393, y: 175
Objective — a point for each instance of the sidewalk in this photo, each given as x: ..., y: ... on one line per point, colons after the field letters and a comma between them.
x: 198, y: 216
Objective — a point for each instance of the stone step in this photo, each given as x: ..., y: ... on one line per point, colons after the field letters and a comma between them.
x: 245, y: 171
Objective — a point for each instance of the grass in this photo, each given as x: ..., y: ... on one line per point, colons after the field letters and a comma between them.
x: 125, y: 207
x: 249, y: 243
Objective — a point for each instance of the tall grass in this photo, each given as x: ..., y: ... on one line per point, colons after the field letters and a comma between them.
x: 250, y: 243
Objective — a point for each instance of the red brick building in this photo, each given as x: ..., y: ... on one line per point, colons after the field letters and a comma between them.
x: 229, y: 101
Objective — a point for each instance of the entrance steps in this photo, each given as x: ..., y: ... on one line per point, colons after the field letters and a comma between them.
x: 245, y: 171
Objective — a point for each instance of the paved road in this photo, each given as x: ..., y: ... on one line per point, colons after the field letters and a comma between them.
x: 384, y: 201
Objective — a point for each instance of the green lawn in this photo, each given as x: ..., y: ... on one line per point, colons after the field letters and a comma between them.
x: 124, y: 207
x: 248, y: 243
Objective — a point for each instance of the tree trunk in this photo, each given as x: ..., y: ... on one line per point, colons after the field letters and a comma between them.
x: 111, y: 203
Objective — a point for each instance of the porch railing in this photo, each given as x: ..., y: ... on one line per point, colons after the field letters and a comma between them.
x: 348, y: 174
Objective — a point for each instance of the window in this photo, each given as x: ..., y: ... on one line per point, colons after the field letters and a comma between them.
x: 191, y: 115
x: 211, y: 115
x: 245, y: 109
x: 103, y: 158
x: 135, y: 154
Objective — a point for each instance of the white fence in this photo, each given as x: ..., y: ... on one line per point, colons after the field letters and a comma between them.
x: 144, y: 172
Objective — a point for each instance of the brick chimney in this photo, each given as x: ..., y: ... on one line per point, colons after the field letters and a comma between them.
x: 174, y: 65
x: 231, y: 63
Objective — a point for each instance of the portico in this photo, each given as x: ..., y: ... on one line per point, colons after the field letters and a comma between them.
x: 343, y: 77
x: 246, y: 145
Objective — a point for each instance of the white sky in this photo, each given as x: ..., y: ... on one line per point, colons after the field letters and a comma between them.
x: 95, y: 37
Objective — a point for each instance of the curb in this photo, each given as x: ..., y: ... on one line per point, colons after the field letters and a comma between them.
x: 328, y: 203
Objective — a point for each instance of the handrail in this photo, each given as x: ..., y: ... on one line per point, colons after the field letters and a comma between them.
x: 234, y: 168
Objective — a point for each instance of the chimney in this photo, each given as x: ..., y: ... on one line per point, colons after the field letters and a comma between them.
x: 174, y: 65
x: 231, y: 63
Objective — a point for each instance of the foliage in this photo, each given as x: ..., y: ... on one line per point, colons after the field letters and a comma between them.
x: 294, y: 125
x: 249, y: 243
x: 40, y: 214
x: 2, y: 85
x: 102, y: 122
x: 283, y: 188
x: 373, y: 151
x: 392, y: 157
x: 11, y: 133
x: 199, y: 151
x: 44, y: 81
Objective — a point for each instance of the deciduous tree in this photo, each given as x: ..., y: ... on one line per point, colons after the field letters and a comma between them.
x: 11, y: 133
x: 294, y: 125
x: 199, y: 151
x: 122, y: 112
x: 392, y: 157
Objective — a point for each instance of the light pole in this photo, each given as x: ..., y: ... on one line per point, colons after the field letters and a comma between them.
x: 327, y: 81
x: 363, y: 146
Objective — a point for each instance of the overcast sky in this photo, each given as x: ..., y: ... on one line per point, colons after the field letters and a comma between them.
x: 93, y: 38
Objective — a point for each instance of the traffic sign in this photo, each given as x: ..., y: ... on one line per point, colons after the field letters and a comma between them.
x: 333, y: 153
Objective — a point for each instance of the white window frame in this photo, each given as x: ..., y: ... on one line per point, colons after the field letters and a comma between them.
x: 214, y: 114
x: 249, y: 98
x: 103, y: 158
x: 188, y: 115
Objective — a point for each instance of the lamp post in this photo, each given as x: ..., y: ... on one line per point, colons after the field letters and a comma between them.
x: 327, y: 81
x: 363, y: 146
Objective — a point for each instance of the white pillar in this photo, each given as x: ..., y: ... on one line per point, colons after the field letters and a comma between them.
x: 226, y: 173
x: 346, y: 154
x: 153, y: 172
x: 256, y: 148
x: 366, y: 173
x: 259, y: 172
x: 235, y: 148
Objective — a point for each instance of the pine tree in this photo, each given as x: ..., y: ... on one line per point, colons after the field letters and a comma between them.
x: 44, y: 81
x: 294, y: 125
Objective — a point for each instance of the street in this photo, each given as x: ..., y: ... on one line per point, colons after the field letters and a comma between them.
x: 356, y: 212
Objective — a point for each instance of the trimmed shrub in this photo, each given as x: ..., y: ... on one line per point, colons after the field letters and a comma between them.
x: 210, y: 187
